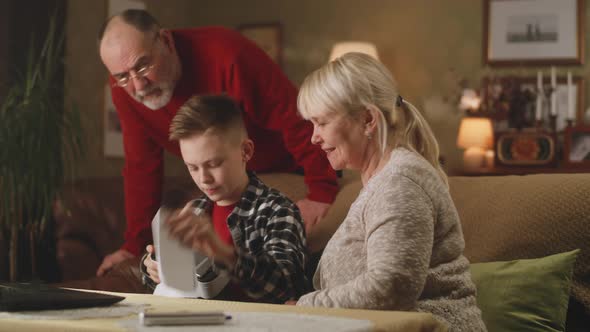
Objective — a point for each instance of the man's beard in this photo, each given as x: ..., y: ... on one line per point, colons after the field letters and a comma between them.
x: 155, y: 103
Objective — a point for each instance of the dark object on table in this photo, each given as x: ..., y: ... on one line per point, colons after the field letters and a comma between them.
x: 21, y: 297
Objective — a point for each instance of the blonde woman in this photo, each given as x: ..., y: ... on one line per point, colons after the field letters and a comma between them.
x: 401, y: 245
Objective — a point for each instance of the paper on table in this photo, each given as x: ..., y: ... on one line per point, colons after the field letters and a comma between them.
x: 267, y: 322
x: 120, y: 309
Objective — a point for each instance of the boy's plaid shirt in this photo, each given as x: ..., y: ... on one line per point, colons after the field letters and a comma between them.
x: 269, y: 239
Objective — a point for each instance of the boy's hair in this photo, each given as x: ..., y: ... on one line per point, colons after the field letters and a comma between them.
x: 201, y: 113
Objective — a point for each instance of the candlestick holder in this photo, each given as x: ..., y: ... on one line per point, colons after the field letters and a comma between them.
x: 546, y: 92
x: 553, y: 122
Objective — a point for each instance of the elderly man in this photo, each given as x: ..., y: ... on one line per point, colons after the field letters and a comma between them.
x: 154, y: 71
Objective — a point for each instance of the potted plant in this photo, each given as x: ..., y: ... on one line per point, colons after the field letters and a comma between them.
x: 40, y: 140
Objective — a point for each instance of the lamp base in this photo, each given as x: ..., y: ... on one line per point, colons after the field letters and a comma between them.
x: 474, y: 159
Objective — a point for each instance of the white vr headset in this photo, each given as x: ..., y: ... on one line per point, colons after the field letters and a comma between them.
x: 182, y: 271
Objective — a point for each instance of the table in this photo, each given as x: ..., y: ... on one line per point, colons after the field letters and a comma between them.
x: 382, y: 320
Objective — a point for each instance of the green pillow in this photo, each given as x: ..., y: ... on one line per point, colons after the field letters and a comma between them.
x: 526, y: 294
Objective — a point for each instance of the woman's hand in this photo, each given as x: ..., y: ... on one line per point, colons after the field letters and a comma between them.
x: 291, y: 302
x: 151, y: 265
x: 197, y: 232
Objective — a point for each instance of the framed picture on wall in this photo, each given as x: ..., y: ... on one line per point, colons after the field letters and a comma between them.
x: 511, y: 101
x: 113, y: 134
x: 268, y: 36
x: 533, y: 32
x: 577, y: 146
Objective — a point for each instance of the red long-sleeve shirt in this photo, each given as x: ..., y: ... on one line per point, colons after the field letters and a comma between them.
x: 217, y: 60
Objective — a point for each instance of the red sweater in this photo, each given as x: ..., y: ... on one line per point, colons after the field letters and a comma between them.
x: 217, y: 60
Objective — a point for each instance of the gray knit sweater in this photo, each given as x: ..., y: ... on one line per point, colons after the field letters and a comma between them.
x: 400, y: 248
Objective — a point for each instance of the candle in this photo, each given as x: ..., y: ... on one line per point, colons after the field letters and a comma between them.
x: 539, y: 106
x: 489, y: 157
x: 553, y: 92
x: 570, y: 97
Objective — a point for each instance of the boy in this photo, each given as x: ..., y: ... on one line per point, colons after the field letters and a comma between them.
x: 253, y: 232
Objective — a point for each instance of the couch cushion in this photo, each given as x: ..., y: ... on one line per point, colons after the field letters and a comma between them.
x: 525, y: 295
x: 532, y: 216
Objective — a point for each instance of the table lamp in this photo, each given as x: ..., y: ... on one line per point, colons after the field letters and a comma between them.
x: 341, y: 48
x: 475, y: 136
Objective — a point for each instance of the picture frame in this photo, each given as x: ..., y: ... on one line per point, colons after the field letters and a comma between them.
x: 533, y: 32
x: 268, y: 36
x: 577, y: 147
x: 510, y: 101
x: 113, y: 134
x: 525, y: 148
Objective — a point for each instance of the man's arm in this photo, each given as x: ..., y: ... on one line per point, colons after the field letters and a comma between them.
x: 312, y: 212
x: 260, y: 86
x: 113, y: 259
x: 142, y: 173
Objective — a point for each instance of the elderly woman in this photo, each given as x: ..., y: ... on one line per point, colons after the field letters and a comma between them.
x: 401, y: 245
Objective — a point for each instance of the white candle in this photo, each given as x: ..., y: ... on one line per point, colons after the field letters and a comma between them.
x: 539, y: 106
x: 553, y: 92
x: 570, y: 97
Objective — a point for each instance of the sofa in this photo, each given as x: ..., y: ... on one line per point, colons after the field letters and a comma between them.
x: 503, y: 218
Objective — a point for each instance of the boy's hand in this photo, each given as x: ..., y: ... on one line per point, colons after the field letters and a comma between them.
x: 151, y: 266
x: 197, y: 232
x: 312, y: 212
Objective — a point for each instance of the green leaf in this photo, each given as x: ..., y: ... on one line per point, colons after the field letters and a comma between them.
x: 41, y: 139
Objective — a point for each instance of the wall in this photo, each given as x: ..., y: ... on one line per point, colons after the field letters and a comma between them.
x: 5, y: 30
x: 23, y: 23
x: 429, y: 46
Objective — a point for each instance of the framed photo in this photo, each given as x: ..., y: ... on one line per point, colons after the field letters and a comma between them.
x: 577, y: 146
x: 268, y: 36
x: 533, y: 32
x: 511, y: 102
x: 113, y: 135
x: 525, y: 148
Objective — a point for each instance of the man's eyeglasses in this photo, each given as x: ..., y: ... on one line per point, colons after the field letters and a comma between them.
x: 123, y: 79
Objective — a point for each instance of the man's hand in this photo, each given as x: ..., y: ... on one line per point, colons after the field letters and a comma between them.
x: 291, y: 302
x: 113, y: 259
x: 312, y: 212
x: 151, y: 266
x: 197, y: 232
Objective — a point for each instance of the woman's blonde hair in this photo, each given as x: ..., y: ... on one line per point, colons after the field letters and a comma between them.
x: 355, y: 82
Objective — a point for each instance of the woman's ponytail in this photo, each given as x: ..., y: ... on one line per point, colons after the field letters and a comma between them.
x: 415, y: 134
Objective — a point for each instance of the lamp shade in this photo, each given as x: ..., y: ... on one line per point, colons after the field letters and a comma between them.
x: 342, y: 48
x: 475, y: 132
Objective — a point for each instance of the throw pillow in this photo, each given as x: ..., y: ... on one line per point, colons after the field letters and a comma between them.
x: 526, y: 294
